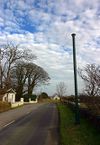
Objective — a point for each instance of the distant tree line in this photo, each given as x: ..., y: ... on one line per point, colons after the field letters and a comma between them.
x: 18, y: 71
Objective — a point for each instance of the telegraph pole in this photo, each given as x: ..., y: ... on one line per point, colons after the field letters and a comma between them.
x: 77, y: 117
x: 0, y: 71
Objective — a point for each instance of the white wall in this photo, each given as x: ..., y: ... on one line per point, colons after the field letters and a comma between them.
x: 16, y: 104
x: 10, y: 97
x: 33, y: 101
x: 56, y: 98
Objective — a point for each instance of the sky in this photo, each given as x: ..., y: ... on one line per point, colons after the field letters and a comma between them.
x: 45, y: 27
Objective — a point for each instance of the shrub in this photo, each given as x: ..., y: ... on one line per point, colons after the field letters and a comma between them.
x: 92, y: 103
x: 26, y: 97
x: 43, y: 96
x: 33, y: 97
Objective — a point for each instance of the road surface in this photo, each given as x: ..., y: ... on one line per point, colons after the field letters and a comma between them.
x: 39, y: 127
x: 11, y: 115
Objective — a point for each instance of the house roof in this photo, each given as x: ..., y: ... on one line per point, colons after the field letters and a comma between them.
x: 56, y: 96
x: 11, y: 91
x: 4, y: 91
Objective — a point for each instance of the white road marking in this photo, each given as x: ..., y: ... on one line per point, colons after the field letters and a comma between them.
x: 9, y: 123
x: 27, y: 112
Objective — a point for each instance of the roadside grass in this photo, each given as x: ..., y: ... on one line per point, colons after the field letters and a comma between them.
x: 4, y: 106
x: 71, y: 134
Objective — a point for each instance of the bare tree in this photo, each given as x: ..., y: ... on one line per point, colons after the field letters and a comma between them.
x: 91, y: 76
x: 27, y: 76
x: 37, y: 76
x: 61, y: 89
x: 9, y: 55
x: 19, y: 76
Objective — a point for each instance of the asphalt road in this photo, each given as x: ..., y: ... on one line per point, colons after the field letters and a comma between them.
x: 39, y: 127
x: 13, y: 114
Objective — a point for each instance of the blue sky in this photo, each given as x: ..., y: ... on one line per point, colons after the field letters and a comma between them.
x: 45, y: 26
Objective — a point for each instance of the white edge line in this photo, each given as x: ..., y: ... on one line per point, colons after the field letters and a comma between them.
x: 8, y: 123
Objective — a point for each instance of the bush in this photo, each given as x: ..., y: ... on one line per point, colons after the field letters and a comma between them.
x: 92, y: 103
x: 33, y: 97
x: 26, y: 97
x: 68, y: 99
x: 43, y: 96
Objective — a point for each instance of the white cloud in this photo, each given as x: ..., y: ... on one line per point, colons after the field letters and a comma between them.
x: 52, y: 43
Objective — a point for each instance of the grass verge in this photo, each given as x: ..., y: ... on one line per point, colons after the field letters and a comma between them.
x: 71, y: 134
x: 4, y: 106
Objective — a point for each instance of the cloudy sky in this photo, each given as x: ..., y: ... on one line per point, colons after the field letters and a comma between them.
x: 45, y: 26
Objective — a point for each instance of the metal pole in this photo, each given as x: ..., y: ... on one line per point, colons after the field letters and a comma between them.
x: 0, y: 71
x: 77, y: 117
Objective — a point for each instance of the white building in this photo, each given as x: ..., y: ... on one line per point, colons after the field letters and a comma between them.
x: 56, y: 97
x: 9, y: 96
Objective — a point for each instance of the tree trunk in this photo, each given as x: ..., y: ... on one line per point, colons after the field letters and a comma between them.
x: 19, y: 93
x: 30, y: 90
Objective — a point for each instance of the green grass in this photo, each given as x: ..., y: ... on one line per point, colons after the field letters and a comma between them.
x: 71, y: 134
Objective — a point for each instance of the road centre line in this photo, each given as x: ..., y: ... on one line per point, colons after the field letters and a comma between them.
x: 28, y: 112
x: 13, y: 121
x: 8, y: 123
